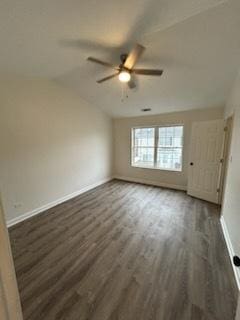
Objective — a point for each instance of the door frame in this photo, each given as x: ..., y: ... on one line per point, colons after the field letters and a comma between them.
x: 10, y: 306
x: 227, y: 139
x: 238, y: 309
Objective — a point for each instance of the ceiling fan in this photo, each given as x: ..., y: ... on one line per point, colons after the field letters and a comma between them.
x: 126, y: 69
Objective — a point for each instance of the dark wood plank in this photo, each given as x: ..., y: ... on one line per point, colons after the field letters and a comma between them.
x: 125, y: 251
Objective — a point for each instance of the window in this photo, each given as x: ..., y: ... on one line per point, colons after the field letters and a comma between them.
x: 158, y: 147
x: 143, y: 147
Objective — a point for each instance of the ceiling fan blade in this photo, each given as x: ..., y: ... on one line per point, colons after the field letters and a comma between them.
x: 108, y: 78
x: 133, y: 56
x: 148, y: 72
x: 103, y: 63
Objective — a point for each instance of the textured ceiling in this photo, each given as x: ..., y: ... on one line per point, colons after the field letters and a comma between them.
x: 196, y: 42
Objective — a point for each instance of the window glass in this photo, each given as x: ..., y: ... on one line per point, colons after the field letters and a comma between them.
x: 169, y: 151
x: 143, y: 147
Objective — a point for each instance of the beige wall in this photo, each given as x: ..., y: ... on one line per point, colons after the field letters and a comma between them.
x: 122, y: 144
x: 231, y: 205
x: 52, y: 144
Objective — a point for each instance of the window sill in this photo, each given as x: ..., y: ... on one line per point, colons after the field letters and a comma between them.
x: 155, y: 168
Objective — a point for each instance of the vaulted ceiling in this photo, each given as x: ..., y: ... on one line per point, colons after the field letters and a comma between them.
x: 196, y: 42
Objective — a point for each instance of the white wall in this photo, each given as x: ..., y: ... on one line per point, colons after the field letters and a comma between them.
x: 52, y: 144
x: 122, y: 145
x: 231, y: 206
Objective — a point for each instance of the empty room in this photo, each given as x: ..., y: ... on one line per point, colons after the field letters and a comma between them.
x: 120, y: 160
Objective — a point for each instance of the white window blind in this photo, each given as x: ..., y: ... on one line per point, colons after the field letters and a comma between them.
x: 158, y: 147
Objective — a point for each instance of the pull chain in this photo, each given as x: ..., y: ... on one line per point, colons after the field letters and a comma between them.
x: 122, y: 97
x: 124, y: 92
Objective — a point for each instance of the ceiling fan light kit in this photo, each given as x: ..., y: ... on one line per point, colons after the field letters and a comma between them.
x: 126, y: 67
x: 124, y: 76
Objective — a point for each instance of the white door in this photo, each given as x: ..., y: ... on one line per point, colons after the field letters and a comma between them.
x: 10, y: 306
x: 205, y: 159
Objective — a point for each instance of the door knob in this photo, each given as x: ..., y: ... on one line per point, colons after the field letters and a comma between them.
x: 191, y: 163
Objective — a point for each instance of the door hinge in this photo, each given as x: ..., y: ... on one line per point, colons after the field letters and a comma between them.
x: 225, y: 129
x: 218, y: 190
x: 221, y: 160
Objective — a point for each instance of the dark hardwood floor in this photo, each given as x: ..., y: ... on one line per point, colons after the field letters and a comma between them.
x: 125, y: 251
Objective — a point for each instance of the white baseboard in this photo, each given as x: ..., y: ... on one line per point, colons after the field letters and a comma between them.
x: 54, y: 203
x: 230, y: 251
x: 152, y: 182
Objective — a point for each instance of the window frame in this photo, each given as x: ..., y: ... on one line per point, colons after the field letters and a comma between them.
x: 156, y: 138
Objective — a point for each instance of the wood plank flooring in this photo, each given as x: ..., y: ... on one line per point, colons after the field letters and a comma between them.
x: 125, y: 251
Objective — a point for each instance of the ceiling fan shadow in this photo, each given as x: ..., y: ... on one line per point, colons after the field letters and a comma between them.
x: 86, y: 45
